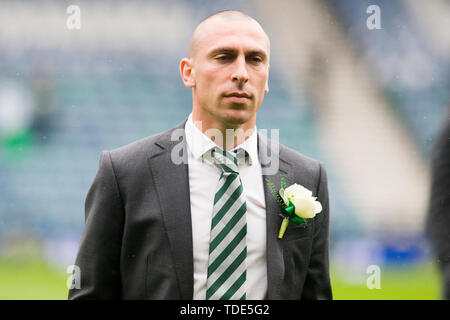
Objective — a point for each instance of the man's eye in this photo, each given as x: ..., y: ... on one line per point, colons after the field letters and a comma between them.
x: 256, y: 59
x: 222, y: 58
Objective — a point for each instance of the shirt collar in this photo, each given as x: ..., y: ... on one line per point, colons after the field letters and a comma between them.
x: 198, y: 143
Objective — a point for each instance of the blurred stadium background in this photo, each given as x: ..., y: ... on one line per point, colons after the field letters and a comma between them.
x: 367, y: 103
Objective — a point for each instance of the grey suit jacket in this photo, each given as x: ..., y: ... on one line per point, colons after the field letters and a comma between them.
x: 438, y: 218
x: 137, y: 240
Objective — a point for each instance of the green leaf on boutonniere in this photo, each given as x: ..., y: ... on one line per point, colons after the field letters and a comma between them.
x: 283, y: 181
x: 275, y: 194
x: 290, y: 212
x: 290, y: 216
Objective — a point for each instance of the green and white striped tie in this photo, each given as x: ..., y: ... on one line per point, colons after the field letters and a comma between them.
x: 227, y: 267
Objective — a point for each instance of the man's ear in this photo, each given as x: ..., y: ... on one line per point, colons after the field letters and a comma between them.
x: 187, y: 73
x: 266, y: 89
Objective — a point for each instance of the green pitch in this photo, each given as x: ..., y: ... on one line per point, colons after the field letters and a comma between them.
x: 37, y: 280
x: 33, y: 280
x: 417, y: 282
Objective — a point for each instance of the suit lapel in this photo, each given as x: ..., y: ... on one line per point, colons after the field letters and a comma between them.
x: 172, y: 187
x: 268, y: 153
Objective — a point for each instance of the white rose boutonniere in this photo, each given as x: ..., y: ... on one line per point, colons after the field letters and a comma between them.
x: 305, y: 204
x: 297, y: 202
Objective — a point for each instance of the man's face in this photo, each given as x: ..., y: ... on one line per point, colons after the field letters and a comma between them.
x: 230, y: 70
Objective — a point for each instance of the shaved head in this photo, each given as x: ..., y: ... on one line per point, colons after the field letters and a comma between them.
x: 227, y: 16
x: 228, y: 71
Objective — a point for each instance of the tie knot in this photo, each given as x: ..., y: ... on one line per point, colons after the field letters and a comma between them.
x: 228, y: 160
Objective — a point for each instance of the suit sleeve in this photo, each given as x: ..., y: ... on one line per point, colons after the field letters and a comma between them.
x: 317, y: 283
x: 438, y: 219
x: 98, y: 258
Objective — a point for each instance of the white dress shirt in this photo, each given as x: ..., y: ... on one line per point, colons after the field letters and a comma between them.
x: 203, y: 180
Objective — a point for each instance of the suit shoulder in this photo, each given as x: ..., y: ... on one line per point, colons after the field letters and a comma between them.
x: 139, y: 148
x: 298, y: 159
x: 137, y: 152
x: 145, y: 147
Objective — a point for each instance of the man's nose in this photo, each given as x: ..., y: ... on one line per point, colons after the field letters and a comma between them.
x: 240, y: 73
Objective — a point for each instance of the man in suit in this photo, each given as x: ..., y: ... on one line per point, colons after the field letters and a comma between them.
x: 167, y: 217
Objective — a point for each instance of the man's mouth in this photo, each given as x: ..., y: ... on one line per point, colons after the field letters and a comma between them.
x: 238, y: 94
x: 238, y: 97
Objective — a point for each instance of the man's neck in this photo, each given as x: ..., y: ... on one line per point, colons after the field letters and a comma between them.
x: 225, y: 136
